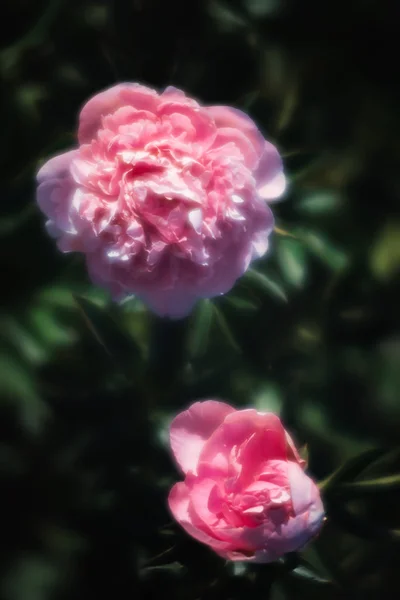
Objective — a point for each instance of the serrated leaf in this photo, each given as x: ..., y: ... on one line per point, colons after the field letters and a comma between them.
x: 266, y: 284
x: 292, y: 261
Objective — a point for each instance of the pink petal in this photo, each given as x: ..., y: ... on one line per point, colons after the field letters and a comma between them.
x: 106, y: 102
x: 172, y: 93
x: 179, y: 505
x: 173, y: 303
x: 190, y: 430
x: 56, y: 167
x: 260, y: 245
x: 308, y: 514
x: 226, y: 135
x: 204, y: 130
x: 293, y: 453
x: 201, y: 496
x: 237, y: 429
x: 304, y: 492
x: 226, y: 116
x: 54, y: 197
x: 271, y: 182
x: 259, y: 556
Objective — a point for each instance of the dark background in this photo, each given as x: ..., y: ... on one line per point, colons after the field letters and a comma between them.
x: 87, y: 388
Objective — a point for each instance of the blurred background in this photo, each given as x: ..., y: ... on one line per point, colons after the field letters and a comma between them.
x: 87, y: 388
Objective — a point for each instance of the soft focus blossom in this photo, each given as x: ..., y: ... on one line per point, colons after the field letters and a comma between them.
x: 245, y: 492
x: 166, y: 199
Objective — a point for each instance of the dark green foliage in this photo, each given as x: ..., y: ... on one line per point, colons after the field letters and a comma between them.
x: 87, y: 388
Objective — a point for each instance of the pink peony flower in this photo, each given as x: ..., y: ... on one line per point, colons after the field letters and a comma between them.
x: 166, y: 199
x: 245, y: 493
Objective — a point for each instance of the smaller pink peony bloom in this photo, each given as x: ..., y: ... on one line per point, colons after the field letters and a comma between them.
x: 166, y: 199
x: 245, y: 492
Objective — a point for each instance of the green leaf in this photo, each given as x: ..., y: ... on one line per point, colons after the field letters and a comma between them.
x: 277, y: 593
x: 225, y: 328
x: 369, y: 486
x: 20, y: 337
x: 241, y: 304
x: 319, y: 202
x: 200, y: 328
x: 305, y: 571
x: 174, y: 568
x: 312, y: 559
x: 32, y: 576
x: 359, y: 526
x: 292, y: 261
x: 324, y: 249
x: 9, y: 225
x: 48, y: 328
x: 18, y: 388
x: 385, y: 252
x: 120, y: 348
x: 265, y: 284
x: 268, y: 398
x: 386, y: 461
x: 227, y: 19
x: 350, y: 469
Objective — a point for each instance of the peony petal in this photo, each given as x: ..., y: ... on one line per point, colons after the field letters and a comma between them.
x: 260, y: 556
x: 172, y: 93
x: 200, y: 497
x: 201, y: 219
x: 106, y: 102
x: 293, y: 453
x: 195, y: 218
x: 204, y: 130
x: 191, y: 429
x: 175, y: 304
x: 54, y: 197
x: 271, y: 181
x: 228, y: 135
x: 237, y: 429
x: 304, y: 492
x: 179, y: 505
x: 45, y: 198
x: 56, y: 167
x: 308, y: 514
x: 227, y: 116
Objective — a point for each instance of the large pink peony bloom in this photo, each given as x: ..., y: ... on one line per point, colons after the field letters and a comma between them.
x: 166, y: 199
x: 245, y: 492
